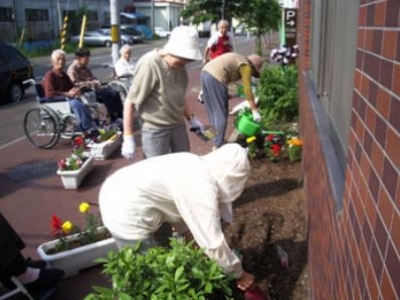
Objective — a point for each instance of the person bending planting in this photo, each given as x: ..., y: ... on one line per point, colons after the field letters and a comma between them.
x: 190, y: 192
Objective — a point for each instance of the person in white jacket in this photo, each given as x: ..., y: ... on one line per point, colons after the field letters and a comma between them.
x: 190, y: 192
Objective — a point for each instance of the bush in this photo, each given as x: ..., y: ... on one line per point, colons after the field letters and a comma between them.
x: 179, y: 272
x: 278, y: 95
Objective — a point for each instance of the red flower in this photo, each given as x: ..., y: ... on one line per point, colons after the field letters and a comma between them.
x: 276, y: 149
x: 56, y: 225
x: 270, y: 137
x: 79, y: 142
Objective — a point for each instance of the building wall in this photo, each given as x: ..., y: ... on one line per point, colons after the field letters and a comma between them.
x: 354, y: 252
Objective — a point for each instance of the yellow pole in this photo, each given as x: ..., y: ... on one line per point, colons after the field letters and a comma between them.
x: 82, y: 31
x: 64, y: 32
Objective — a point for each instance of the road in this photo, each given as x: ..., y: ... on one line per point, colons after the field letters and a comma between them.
x: 12, y: 115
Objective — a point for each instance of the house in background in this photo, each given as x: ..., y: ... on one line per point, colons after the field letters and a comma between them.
x: 43, y: 19
x: 349, y: 80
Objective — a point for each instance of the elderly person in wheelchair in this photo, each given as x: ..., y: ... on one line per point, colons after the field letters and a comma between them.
x: 82, y: 76
x: 57, y: 83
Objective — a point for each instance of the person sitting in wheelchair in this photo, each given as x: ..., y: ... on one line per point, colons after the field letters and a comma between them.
x: 124, y: 67
x: 56, y: 83
x: 82, y: 76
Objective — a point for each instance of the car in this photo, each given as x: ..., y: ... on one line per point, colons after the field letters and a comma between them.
x: 161, y: 32
x: 100, y: 37
x: 15, y: 74
x: 135, y: 35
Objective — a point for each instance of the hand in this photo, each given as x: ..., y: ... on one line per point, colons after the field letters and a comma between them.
x: 246, y: 281
x: 256, y: 116
x: 195, y: 124
x: 128, y: 147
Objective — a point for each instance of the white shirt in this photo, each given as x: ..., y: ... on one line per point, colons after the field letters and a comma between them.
x: 183, y: 189
x: 123, y: 67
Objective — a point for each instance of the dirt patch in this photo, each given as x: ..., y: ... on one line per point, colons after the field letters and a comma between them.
x: 271, y: 215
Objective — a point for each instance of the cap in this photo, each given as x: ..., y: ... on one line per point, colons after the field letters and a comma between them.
x: 257, y: 62
x: 184, y: 43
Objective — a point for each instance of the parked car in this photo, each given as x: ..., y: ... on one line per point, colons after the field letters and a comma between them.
x: 161, y: 32
x: 100, y: 37
x: 135, y: 35
x: 15, y: 69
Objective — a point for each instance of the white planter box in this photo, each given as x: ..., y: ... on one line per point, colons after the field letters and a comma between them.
x: 74, y: 260
x: 73, y: 179
x: 103, y: 150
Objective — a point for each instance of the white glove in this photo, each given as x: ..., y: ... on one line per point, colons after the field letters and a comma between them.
x: 128, y: 147
x: 195, y: 124
x: 256, y: 116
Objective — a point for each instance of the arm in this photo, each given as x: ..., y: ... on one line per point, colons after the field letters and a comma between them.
x: 128, y: 117
x: 245, y: 73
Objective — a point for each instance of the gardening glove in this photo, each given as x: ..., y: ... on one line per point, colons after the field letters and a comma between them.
x: 195, y: 124
x: 256, y: 116
x: 128, y: 147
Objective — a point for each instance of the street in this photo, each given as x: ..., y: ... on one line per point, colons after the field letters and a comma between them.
x: 12, y: 115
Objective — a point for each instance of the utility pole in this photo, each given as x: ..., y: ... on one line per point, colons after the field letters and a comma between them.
x: 115, y: 34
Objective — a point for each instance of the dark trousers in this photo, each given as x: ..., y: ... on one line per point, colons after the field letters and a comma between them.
x: 112, y: 100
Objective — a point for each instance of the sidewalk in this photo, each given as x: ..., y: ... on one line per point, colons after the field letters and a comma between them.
x: 29, y: 200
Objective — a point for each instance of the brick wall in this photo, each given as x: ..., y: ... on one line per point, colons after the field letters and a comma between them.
x: 355, y: 253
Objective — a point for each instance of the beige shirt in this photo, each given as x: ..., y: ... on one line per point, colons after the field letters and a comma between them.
x: 78, y: 74
x: 158, y: 92
x: 225, y: 68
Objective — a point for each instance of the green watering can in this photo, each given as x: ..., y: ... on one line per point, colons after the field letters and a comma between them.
x: 245, y: 125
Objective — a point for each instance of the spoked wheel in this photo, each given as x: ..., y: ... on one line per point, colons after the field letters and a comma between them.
x: 121, y: 87
x: 41, y: 127
x: 69, y: 127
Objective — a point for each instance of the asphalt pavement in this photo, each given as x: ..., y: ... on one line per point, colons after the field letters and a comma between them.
x: 31, y: 192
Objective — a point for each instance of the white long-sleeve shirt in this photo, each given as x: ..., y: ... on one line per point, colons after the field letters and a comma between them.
x: 182, y: 189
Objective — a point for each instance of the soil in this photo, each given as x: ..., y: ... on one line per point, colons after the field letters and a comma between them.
x: 271, y: 215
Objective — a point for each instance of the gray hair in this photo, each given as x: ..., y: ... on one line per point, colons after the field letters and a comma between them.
x: 125, y: 48
x: 56, y: 53
x: 223, y: 22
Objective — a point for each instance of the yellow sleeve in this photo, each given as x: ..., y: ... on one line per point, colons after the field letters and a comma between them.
x: 245, y: 73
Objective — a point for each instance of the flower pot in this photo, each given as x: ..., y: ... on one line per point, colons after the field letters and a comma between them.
x: 74, y: 260
x: 73, y: 179
x: 103, y: 150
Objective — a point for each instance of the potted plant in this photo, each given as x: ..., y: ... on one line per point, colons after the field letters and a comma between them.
x: 181, y: 271
x: 76, y: 248
x: 75, y: 167
x: 102, y: 146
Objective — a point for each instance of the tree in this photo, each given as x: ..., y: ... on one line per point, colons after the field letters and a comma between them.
x: 261, y: 15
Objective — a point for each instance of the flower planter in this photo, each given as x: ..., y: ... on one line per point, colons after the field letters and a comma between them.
x: 103, y: 150
x: 72, y: 179
x: 74, y: 260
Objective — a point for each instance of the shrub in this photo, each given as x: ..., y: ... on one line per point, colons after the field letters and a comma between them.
x: 179, y: 272
x: 278, y: 95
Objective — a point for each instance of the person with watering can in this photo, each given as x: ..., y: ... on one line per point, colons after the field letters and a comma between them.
x: 215, y: 77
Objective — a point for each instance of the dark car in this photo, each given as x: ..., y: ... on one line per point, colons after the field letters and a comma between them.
x: 15, y: 69
x: 136, y: 35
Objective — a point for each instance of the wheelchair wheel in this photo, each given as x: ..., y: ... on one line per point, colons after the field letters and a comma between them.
x: 41, y: 127
x: 121, y: 87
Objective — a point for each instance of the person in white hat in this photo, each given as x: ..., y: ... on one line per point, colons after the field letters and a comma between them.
x: 158, y: 94
x: 215, y: 77
x: 192, y: 193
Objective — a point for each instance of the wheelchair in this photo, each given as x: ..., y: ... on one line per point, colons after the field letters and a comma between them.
x: 119, y: 83
x: 53, y: 119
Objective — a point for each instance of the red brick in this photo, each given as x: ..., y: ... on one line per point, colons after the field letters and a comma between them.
x: 370, y: 118
x: 393, y: 146
x: 361, y: 38
x: 389, y: 44
x: 386, y: 285
x: 357, y: 80
x: 369, y: 37
x: 396, y: 79
x: 362, y: 19
x: 370, y: 209
x: 380, y: 12
x: 365, y: 165
x: 365, y: 87
x: 383, y: 101
x: 378, y: 158
x: 373, y: 289
x: 394, y: 231
x: 385, y: 207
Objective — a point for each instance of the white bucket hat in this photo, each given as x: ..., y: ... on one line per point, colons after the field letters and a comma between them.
x: 184, y: 43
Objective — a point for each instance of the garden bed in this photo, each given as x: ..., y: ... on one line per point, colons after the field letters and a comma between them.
x: 271, y: 212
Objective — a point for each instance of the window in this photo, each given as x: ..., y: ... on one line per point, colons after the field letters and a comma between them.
x: 36, y: 15
x: 333, y: 60
x: 92, y: 15
x: 6, y: 14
